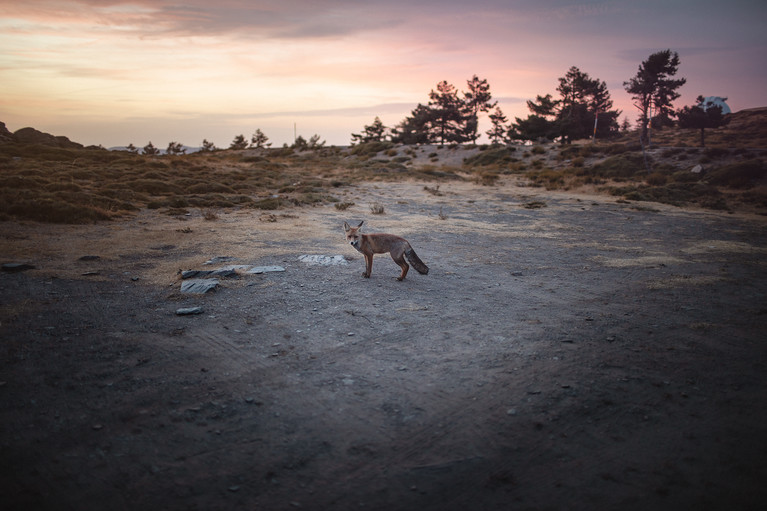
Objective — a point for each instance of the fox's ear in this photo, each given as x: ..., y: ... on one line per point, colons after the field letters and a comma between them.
x: 360, y: 225
x: 347, y: 227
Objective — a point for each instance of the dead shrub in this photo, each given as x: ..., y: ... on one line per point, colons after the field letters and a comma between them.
x: 656, y: 179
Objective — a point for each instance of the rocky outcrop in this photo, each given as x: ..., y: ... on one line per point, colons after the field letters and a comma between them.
x: 33, y: 136
x: 5, y: 135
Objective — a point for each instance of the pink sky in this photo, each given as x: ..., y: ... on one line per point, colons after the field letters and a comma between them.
x: 115, y: 72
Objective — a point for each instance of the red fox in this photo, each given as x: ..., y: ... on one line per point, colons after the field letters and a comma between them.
x: 369, y: 244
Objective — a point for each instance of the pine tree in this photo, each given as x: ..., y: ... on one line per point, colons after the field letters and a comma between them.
x: 373, y: 133
x: 239, y: 142
x: 652, y: 88
x: 175, y: 148
x: 497, y: 133
x: 259, y: 140
x: 150, y: 149
x: 207, y: 146
x: 450, y: 114
x: 477, y: 99
x: 701, y: 116
x: 414, y: 129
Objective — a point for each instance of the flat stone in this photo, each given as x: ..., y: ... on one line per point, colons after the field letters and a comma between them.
x: 323, y: 260
x: 195, y: 274
x: 198, y: 286
x: 264, y: 269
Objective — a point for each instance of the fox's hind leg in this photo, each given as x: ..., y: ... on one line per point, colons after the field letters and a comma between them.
x: 400, y: 260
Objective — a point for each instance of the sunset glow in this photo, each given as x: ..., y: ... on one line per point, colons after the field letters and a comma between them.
x: 115, y: 72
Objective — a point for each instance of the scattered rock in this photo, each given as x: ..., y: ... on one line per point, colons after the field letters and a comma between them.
x: 16, y: 267
x: 90, y: 258
x: 198, y: 286
x: 256, y: 270
x: 697, y: 169
x: 323, y: 260
x: 188, y: 311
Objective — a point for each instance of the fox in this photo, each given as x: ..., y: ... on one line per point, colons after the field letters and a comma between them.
x: 398, y: 248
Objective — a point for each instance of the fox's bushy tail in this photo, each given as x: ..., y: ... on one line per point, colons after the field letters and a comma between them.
x: 416, y: 262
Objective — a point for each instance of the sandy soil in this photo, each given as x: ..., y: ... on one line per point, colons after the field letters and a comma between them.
x: 586, y: 354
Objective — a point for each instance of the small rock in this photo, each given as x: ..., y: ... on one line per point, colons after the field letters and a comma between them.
x: 234, y: 488
x: 188, y: 311
x: 697, y: 169
x: 16, y: 267
x: 90, y: 258
x: 220, y: 259
x: 97, y: 427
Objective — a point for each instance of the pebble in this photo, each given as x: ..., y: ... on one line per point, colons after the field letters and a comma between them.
x: 188, y: 311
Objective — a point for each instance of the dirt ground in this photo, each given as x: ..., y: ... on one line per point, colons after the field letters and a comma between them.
x: 582, y: 354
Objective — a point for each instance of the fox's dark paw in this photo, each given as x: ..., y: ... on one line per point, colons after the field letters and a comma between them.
x: 366, y: 275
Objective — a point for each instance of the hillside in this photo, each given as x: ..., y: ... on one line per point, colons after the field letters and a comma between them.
x: 52, y: 179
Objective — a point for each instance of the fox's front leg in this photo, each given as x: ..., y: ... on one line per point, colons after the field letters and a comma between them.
x: 368, y: 265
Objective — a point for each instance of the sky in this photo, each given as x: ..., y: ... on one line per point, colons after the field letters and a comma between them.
x: 114, y: 72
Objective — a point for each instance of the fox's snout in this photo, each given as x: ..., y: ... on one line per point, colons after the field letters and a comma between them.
x: 355, y: 243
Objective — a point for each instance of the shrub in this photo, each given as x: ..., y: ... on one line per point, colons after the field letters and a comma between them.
x: 377, y: 208
x: 739, y: 175
x: 371, y: 148
x: 490, y: 157
x: 620, y: 166
x: 657, y: 179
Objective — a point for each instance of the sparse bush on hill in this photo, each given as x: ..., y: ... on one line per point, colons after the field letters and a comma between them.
x: 739, y: 175
x: 371, y: 148
x: 620, y: 167
x: 493, y: 156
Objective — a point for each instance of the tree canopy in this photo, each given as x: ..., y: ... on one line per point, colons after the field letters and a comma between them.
x: 449, y: 117
x: 584, y: 109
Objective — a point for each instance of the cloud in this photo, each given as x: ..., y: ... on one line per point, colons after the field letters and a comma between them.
x: 289, y: 19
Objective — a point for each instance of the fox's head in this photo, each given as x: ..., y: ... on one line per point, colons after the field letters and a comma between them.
x: 353, y: 235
